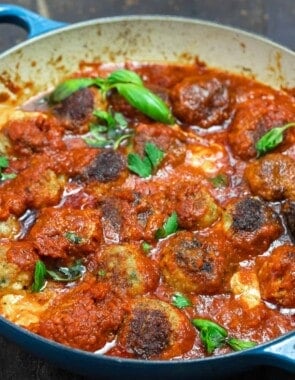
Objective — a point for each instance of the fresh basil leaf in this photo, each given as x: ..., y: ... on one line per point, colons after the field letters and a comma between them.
x: 180, y: 301
x: 67, y: 88
x: 67, y: 274
x: 212, y: 335
x: 145, y: 101
x: 169, y: 227
x: 154, y: 154
x: 221, y: 180
x: 138, y: 165
x: 239, y: 345
x: 124, y: 76
x: 73, y: 237
x: 272, y: 139
x: 120, y: 120
x: 4, y: 162
x: 39, y: 277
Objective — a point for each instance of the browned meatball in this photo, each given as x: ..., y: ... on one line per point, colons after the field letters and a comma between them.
x: 288, y: 211
x: 250, y: 226
x: 60, y: 232
x: 272, y: 177
x: 155, y: 330
x: 107, y: 166
x: 254, y: 118
x: 190, y: 265
x: 36, y: 134
x: 276, y: 275
x: 127, y: 270
x: 201, y: 100
x: 86, y: 317
x: 23, y: 254
x: 76, y: 109
x: 195, y: 207
x: 169, y: 140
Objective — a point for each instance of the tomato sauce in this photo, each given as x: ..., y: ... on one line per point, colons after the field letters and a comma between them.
x: 212, y: 222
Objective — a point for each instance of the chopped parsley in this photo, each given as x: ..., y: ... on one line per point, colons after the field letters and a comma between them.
x: 145, y: 166
x: 180, y: 301
x: 170, y: 227
x: 4, y: 163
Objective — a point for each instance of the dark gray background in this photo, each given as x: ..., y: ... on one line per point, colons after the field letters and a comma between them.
x: 274, y: 19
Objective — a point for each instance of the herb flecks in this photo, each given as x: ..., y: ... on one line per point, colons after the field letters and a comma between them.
x: 4, y: 163
x: 214, y: 336
x: 67, y: 274
x: 128, y: 84
x: 180, y: 301
x: 109, y: 130
x: 170, y: 227
x: 62, y: 274
x: 39, y: 277
x: 272, y: 139
x: 73, y: 237
x: 145, y: 166
x: 221, y: 180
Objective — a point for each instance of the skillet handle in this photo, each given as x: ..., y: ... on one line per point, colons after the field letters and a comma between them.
x: 280, y: 354
x: 32, y: 22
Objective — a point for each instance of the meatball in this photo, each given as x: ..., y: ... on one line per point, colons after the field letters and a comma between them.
x: 288, y: 211
x: 272, y: 177
x: 155, y: 330
x: 170, y: 140
x: 195, y: 207
x: 86, y: 317
x: 190, y: 265
x: 127, y: 270
x: 23, y: 254
x: 276, y: 275
x: 106, y: 167
x: 30, y: 135
x: 76, y: 110
x: 34, y: 187
x: 254, y: 118
x: 60, y: 232
x: 201, y: 100
x: 250, y: 226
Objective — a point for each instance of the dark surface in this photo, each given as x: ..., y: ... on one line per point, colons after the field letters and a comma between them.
x: 274, y: 19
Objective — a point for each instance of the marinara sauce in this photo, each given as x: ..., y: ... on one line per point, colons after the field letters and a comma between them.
x: 118, y: 230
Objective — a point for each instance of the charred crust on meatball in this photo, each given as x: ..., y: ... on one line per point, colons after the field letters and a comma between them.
x: 77, y: 107
x: 149, y: 333
x: 248, y: 215
x: 106, y: 167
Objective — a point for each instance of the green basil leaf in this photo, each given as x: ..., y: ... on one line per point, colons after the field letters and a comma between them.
x: 73, y: 237
x: 212, y: 335
x: 5, y: 176
x: 272, y: 139
x: 221, y: 180
x: 3, y: 162
x: 239, y: 345
x: 67, y: 274
x: 154, y: 154
x: 146, y: 247
x: 169, y: 227
x: 145, y: 101
x: 67, y: 88
x: 124, y: 76
x: 39, y: 277
x: 120, y: 120
x: 138, y: 165
x: 180, y: 301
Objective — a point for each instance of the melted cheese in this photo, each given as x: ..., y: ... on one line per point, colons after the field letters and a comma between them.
x: 244, y: 284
